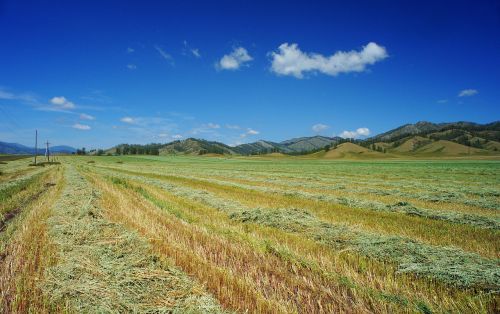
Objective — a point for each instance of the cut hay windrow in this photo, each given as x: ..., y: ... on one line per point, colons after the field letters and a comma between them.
x: 484, y: 198
x: 15, y: 197
x: 103, y: 268
x: 352, y: 174
x: 404, y: 293
x: 450, y: 265
x: 398, y: 207
x: 9, y: 188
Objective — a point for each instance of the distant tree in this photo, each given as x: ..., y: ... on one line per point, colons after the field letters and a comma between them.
x: 477, y: 144
x: 100, y: 152
x: 118, y: 151
x: 327, y: 147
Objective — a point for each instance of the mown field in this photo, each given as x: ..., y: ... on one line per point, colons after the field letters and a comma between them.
x: 213, y: 235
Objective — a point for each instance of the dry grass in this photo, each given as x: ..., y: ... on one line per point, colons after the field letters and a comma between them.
x: 25, y: 258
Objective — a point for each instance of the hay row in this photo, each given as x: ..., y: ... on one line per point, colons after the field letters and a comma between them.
x: 450, y: 265
x: 103, y: 268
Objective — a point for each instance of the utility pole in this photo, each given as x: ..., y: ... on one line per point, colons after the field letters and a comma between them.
x: 47, y: 151
x: 36, y: 144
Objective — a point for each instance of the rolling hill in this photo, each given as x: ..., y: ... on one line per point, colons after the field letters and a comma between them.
x: 192, y: 146
x: 349, y: 150
x: 448, y: 148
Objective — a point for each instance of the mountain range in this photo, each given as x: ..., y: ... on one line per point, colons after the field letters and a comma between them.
x: 18, y: 149
x: 422, y: 138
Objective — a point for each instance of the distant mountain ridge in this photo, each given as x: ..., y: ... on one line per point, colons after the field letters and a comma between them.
x: 419, y: 138
x: 18, y: 149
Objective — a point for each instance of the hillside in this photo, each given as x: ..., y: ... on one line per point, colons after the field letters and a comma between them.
x: 261, y: 147
x: 447, y: 131
x: 411, y: 144
x: 192, y: 146
x: 348, y: 150
x: 447, y: 148
x: 302, y: 144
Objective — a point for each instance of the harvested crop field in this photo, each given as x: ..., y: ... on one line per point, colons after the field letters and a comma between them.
x: 284, y: 235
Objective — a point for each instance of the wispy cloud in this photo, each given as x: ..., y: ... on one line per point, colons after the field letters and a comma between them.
x: 188, y: 50
x: 82, y: 127
x: 290, y: 60
x: 26, y: 97
x: 468, y: 92
x: 131, y: 66
x: 233, y: 61
x: 210, y: 128
x: 177, y: 136
x: 85, y: 116
x: 6, y: 95
x: 442, y: 101
x: 130, y: 50
x: 128, y: 120
x: 213, y: 125
x: 249, y: 131
x: 233, y: 126
x: 319, y: 127
x: 196, y: 52
x: 355, y: 134
x: 164, y: 55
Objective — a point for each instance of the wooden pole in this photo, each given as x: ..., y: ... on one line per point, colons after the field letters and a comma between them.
x: 47, y: 151
x: 36, y: 144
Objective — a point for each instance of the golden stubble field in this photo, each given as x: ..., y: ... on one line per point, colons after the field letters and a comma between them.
x: 210, y: 235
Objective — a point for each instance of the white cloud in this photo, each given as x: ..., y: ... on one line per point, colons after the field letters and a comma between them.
x: 130, y: 50
x: 163, y: 135
x: 213, y: 126
x: 290, y: 60
x: 79, y: 126
x: 164, y: 54
x: 177, y: 136
x: 131, y: 66
x: 249, y: 132
x: 468, y: 92
x: 233, y: 126
x: 238, y: 57
x: 442, y: 101
x: 355, y: 134
x: 363, y: 131
x: 319, y: 127
x: 129, y: 120
x: 62, y: 103
x: 85, y: 116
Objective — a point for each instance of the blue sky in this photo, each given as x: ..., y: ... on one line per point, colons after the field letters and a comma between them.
x: 99, y: 73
